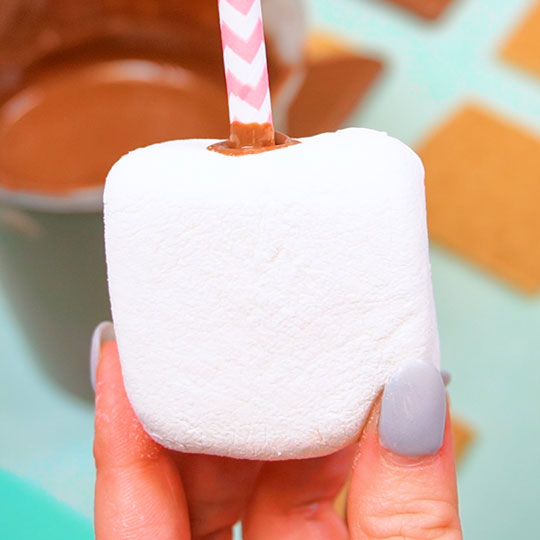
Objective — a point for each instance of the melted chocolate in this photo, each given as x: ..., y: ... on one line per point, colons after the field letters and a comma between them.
x: 248, y: 132
x: 251, y: 135
x: 79, y: 119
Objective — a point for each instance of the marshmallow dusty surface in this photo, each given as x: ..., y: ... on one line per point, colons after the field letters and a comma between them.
x: 261, y: 302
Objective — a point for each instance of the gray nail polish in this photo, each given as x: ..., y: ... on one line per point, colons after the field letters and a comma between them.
x: 413, y: 411
x: 104, y: 332
x: 446, y: 377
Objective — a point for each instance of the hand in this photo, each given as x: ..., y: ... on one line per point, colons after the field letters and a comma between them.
x: 145, y: 492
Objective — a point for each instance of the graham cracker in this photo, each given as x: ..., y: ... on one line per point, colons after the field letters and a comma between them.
x: 523, y: 47
x: 336, y: 80
x: 428, y: 9
x: 483, y: 193
x: 464, y: 436
x: 321, y: 46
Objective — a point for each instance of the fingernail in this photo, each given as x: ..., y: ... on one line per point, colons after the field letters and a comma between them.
x: 446, y: 377
x: 104, y: 332
x: 413, y: 411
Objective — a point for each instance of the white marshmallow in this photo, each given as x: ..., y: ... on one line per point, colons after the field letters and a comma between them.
x: 261, y: 302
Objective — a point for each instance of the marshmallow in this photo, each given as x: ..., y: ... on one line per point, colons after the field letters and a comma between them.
x: 261, y: 302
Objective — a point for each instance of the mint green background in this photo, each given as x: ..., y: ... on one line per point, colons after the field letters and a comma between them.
x: 489, y: 332
x: 27, y: 513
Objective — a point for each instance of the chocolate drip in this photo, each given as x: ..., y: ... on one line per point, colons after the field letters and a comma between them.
x: 252, y: 135
x: 248, y: 139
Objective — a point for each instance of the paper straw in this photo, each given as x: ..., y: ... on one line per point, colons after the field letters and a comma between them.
x: 246, y: 69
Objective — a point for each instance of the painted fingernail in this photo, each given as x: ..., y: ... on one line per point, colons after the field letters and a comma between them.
x: 446, y: 377
x: 413, y: 411
x: 104, y: 332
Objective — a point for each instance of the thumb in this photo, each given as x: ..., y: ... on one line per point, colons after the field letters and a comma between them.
x: 139, y: 493
x: 404, y: 482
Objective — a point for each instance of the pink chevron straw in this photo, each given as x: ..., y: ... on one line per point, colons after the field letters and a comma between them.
x: 246, y: 73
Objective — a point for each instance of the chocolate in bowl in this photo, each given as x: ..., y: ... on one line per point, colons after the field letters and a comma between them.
x: 91, y: 81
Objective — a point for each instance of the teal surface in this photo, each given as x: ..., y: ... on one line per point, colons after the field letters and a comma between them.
x: 489, y: 332
x: 46, y: 433
x: 29, y: 513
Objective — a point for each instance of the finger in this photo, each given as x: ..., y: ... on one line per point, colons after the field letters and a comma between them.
x: 216, y: 489
x: 294, y: 500
x: 138, y: 490
x: 410, y: 490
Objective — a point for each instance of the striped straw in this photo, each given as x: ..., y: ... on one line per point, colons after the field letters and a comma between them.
x: 246, y: 72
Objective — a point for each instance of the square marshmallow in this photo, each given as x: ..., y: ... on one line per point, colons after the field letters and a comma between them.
x: 262, y: 302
